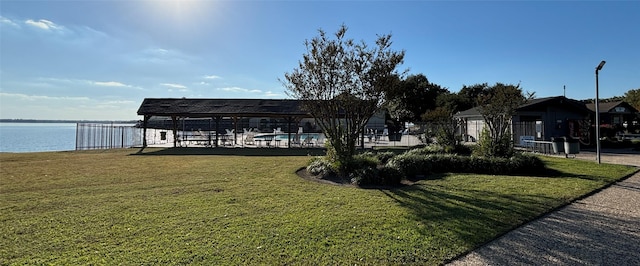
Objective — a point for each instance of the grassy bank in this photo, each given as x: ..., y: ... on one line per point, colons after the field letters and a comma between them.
x: 113, y: 207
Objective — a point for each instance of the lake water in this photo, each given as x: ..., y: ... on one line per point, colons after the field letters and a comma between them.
x: 36, y: 137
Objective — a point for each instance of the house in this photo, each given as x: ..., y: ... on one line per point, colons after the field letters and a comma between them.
x: 549, y: 117
x: 615, y: 114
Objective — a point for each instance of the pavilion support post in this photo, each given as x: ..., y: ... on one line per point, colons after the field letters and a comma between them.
x: 235, y: 130
x: 145, y: 121
x: 209, y: 134
x: 217, y: 119
x: 174, y: 129
x: 290, y: 120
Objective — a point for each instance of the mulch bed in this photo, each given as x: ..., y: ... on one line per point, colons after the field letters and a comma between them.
x: 333, y: 180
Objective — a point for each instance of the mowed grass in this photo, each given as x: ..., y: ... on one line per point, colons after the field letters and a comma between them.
x: 114, y: 207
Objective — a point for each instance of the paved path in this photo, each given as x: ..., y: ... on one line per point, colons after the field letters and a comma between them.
x: 603, y: 229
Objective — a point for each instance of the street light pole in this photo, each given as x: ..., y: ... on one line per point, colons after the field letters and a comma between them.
x: 598, y: 68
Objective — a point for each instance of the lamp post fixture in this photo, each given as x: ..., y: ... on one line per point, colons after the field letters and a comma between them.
x: 598, y: 68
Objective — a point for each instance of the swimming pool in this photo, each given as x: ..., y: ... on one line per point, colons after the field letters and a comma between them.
x: 284, y: 136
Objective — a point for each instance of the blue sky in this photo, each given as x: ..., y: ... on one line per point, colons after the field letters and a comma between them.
x: 100, y: 59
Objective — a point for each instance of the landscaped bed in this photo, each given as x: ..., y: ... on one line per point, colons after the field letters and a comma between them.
x: 118, y: 207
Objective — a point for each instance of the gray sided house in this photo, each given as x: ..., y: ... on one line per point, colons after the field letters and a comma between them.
x: 615, y: 114
x: 537, y: 119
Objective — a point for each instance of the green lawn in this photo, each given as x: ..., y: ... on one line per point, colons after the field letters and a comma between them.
x: 114, y: 207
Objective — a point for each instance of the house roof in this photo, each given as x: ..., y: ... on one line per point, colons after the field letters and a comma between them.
x: 220, y: 107
x: 606, y: 107
x: 532, y: 104
x: 556, y: 100
x: 473, y: 112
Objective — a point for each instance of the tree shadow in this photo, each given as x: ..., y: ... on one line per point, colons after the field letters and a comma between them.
x: 471, y: 217
x: 553, y: 173
x: 474, y: 217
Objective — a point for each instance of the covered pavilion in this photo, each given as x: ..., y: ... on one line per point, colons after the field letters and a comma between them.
x: 219, y: 109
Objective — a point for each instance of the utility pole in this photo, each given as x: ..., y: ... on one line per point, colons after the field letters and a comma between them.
x: 598, y: 68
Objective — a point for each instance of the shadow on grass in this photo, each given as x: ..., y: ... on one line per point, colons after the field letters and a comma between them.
x: 233, y: 151
x: 548, y: 172
x: 466, y: 218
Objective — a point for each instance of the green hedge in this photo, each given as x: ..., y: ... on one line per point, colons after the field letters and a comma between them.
x: 388, y: 169
x: 409, y: 165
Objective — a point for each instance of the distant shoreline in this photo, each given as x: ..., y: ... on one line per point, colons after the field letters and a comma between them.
x: 66, y: 121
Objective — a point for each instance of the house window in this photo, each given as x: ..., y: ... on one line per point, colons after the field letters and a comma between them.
x: 617, y: 120
x: 538, y: 129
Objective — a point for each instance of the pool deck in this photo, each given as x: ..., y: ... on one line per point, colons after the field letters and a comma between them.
x: 406, y: 141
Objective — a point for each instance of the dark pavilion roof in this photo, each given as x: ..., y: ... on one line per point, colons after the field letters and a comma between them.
x: 184, y: 107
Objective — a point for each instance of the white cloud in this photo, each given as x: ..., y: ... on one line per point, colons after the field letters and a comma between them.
x: 61, y: 80
x: 271, y: 94
x: 25, y: 106
x: 109, y: 84
x: 156, y: 51
x: 43, y: 24
x: 113, y: 84
x: 159, y: 56
x: 86, y: 32
x: 212, y: 77
x: 121, y: 102
x: 237, y: 89
x: 48, y: 82
x: 6, y: 21
x: 69, y: 34
x: 20, y: 96
x: 175, y: 86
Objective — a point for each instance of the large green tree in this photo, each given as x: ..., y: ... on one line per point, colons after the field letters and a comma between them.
x: 342, y: 83
x: 411, y: 97
x: 497, y: 104
x: 633, y: 98
x: 444, y: 126
x: 469, y: 95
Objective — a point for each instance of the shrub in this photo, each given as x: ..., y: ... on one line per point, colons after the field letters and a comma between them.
x: 462, y: 149
x: 476, y: 164
x: 411, y: 165
x: 390, y: 176
x: 490, y: 147
x: 384, y: 157
x: 366, y: 176
x: 362, y: 170
x: 450, y: 163
x: 321, y: 166
x: 388, y: 169
x: 426, y: 150
x: 524, y: 163
x: 442, y: 149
